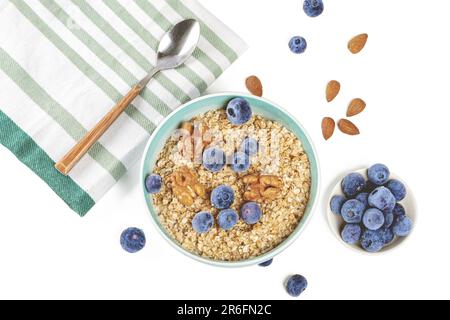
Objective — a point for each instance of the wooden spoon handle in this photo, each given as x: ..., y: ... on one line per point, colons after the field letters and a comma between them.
x: 82, y: 147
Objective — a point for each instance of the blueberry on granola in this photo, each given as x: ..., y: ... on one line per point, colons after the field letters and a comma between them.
x: 353, y: 184
x: 240, y: 162
x: 251, y: 213
x: 214, y: 159
x: 298, y: 44
x: 382, y: 199
x: 203, y: 222
x: 313, y: 8
x: 227, y: 219
x: 352, y: 211
x: 296, y: 284
x: 222, y: 197
x: 250, y: 146
x: 153, y: 183
x: 239, y: 111
x: 132, y: 240
x: 378, y: 174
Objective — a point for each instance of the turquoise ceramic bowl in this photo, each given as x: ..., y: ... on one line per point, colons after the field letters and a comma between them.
x: 201, y: 105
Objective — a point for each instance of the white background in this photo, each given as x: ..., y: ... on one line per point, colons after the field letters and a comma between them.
x: 47, y: 251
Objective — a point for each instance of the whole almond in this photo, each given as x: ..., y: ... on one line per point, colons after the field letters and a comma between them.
x: 357, y: 43
x: 333, y: 89
x: 254, y: 85
x: 328, y: 126
x: 355, y: 107
x: 348, y: 127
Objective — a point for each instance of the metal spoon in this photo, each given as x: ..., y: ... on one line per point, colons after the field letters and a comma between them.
x: 176, y: 46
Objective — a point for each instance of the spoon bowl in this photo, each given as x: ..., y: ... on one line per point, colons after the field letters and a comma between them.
x: 178, y: 44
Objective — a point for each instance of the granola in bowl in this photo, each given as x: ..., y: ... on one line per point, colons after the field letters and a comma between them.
x: 277, y: 178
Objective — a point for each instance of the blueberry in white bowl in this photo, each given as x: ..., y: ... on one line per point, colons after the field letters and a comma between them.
x: 397, y: 188
x: 352, y: 211
x: 351, y: 233
x: 372, y: 210
x: 353, y: 183
x: 378, y: 174
x: 336, y: 203
x: 382, y: 199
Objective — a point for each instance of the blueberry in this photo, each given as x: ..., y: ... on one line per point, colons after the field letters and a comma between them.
x: 351, y: 233
x: 266, y: 263
x: 373, y: 219
x: 378, y: 174
x: 383, y: 199
x: 251, y: 213
x: 313, y: 8
x: 353, y: 184
x: 227, y: 219
x: 397, y: 188
x: 153, y: 183
x: 250, y: 146
x: 240, y: 162
x: 214, y: 159
x: 372, y: 241
x: 336, y: 204
x: 387, y: 235
x: 203, y: 222
x: 222, y: 197
x: 239, y: 111
x: 352, y: 211
x: 388, y: 219
x: 132, y: 240
x: 402, y: 226
x: 298, y: 45
x: 399, y: 210
x: 296, y: 284
x: 364, y: 198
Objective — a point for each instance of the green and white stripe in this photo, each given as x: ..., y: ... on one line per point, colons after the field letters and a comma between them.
x: 64, y: 63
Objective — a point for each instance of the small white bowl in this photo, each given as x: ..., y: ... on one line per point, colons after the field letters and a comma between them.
x: 336, y: 222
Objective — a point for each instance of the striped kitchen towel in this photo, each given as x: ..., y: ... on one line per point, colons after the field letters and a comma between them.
x: 65, y: 63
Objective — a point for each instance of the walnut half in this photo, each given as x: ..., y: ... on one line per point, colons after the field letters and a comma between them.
x: 260, y: 188
x: 186, y: 187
